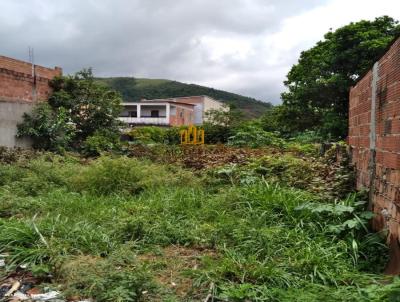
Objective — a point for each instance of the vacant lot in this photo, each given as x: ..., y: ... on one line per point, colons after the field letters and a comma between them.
x: 252, y: 225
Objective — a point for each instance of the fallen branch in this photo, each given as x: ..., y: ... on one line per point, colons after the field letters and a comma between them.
x: 37, y: 231
x: 16, y: 285
x: 210, y: 293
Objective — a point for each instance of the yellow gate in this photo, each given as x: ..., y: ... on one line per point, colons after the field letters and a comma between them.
x: 192, y: 136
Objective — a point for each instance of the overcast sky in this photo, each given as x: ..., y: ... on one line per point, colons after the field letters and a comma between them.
x: 243, y: 46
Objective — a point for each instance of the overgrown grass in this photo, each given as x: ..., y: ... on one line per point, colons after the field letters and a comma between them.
x: 90, y: 223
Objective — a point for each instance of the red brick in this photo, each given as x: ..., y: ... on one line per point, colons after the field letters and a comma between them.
x: 17, y: 82
x: 387, y: 179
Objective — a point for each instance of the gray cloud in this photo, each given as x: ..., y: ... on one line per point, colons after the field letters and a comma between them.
x: 237, y: 45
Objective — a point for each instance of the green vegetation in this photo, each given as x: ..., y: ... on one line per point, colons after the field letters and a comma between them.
x: 120, y: 228
x: 133, y: 89
x: 319, y: 84
x: 260, y: 216
x: 80, y: 115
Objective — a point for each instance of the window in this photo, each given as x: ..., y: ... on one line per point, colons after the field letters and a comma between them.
x: 181, y: 114
x: 155, y: 113
x: 133, y: 113
x: 124, y: 114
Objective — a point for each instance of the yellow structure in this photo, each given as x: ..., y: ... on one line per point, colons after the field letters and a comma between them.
x: 192, y: 136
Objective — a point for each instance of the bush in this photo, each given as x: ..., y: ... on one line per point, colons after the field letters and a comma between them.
x: 117, y: 278
x: 153, y: 134
x: 172, y: 135
x: 148, y: 134
x: 308, y: 137
x: 77, y: 108
x: 255, y: 137
x: 38, y: 175
x: 101, y: 141
x: 124, y: 175
x: 49, y: 128
x: 216, y: 134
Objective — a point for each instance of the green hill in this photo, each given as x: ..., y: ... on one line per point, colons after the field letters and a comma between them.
x: 133, y: 89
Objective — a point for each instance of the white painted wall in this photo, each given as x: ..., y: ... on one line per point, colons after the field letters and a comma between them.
x: 146, y: 110
x: 145, y: 120
x: 10, y: 116
x: 198, y: 114
x: 211, y: 104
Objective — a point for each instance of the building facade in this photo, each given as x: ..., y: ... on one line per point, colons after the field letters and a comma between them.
x: 179, y: 111
x: 162, y: 113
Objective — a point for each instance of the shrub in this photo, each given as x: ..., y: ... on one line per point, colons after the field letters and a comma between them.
x: 307, y: 137
x: 49, y: 128
x: 148, y: 134
x: 77, y: 108
x: 101, y: 141
x: 38, y: 175
x: 12, y: 155
x: 214, y: 134
x: 153, y: 134
x: 117, y: 278
x: 172, y: 135
x: 287, y: 169
x: 255, y: 137
x: 123, y: 175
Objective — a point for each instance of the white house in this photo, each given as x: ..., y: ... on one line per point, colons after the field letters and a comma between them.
x: 170, y: 112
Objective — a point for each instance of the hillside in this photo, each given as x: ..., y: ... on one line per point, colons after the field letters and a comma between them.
x: 133, y: 89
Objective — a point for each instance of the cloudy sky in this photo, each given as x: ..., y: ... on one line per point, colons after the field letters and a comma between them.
x: 243, y: 46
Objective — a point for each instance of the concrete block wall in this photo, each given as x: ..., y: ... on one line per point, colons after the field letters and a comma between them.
x: 20, y: 89
x: 374, y: 137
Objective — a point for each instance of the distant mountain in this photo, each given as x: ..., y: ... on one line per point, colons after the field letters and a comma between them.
x: 133, y: 89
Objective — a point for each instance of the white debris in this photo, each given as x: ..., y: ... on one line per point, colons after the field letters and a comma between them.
x: 2, y: 263
x: 45, y: 297
x: 16, y: 285
x: 20, y: 296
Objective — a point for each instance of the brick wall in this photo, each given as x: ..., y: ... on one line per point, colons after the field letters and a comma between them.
x: 19, y: 90
x: 376, y: 153
x: 183, y: 117
x: 18, y: 84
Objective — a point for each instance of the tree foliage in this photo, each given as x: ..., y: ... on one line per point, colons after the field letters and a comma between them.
x: 220, y: 125
x: 319, y: 84
x: 78, y: 109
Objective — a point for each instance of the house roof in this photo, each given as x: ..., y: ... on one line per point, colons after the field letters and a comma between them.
x: 148, y: 102
x: 182, y: 99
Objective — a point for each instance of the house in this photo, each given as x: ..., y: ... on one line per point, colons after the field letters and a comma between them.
x: 178, y: 111
x: 158, y: 113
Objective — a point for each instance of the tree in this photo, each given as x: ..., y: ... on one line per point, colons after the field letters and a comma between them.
x: 221, y: 124
x: 78, y: 109
x: 50, y: 128
x: 319, y: 84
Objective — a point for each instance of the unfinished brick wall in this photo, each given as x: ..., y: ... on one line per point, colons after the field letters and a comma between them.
x: 182, y: 117
x: 17, y: 82
x: 20, y: 88
x: 374, y: 136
